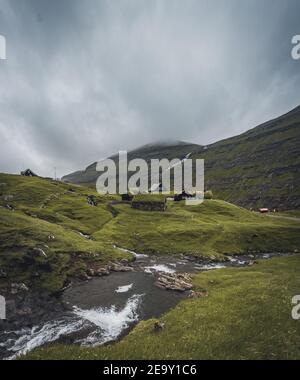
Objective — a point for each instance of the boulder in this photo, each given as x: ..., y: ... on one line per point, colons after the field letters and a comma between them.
x: 24, y: 312
x: 124, y: 261
x: 118, y: 267
x: 3, y: 274
x: 38, y: 252
x: 18, y: 287
x: 84, y: 276
x: 91, y: 272
x: 174, y: 281
x: 158, y: 326
x: 84, y: 235
x: 102, y: 271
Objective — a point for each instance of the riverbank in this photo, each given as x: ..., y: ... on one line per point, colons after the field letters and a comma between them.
x: 245, y: 315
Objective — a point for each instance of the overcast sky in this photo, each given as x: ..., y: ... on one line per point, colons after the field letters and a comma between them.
x: 86, y: 78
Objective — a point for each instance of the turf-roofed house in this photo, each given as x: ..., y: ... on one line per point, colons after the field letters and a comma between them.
x: 149, y: 202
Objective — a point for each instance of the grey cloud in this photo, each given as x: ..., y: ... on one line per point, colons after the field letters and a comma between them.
x: 85, y: 78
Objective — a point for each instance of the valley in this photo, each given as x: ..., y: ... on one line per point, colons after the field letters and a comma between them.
x: 76, y: 272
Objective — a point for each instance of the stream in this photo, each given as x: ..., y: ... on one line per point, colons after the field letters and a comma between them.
x: 104, y: 309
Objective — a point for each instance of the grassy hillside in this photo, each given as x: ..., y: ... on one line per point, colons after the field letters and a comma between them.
x: 259, y: 168
x: 49, y: 215
x: 246, y: 315
x: 213, y: 228
x: 52, y: 216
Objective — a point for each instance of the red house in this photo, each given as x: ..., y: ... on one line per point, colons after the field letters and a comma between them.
x: 263, y: 210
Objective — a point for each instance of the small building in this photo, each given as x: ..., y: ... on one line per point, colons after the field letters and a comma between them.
x: 28, y: 173
x: 127, y: 197
x: 263, y: 210
x: 182, y: 196
x: 149, y: 202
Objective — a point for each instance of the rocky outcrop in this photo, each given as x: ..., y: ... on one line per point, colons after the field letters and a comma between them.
x: 105, y: 270
x: 174, y: 281
x: 83, y: 276
x: 3, y: 274
x: 119, y: 267
x: 18, y: 287
x: 38, y: 252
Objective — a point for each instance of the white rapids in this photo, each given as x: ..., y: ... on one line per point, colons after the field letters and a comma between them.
x: 159, y: 268
x: 111, y: 322
x: 135, y: 254
x: 124, y: 288
x: 209, y: 266
x: 107, y: 323
x: 28, y: 339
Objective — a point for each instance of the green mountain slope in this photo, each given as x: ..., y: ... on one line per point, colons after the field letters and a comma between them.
x: 257, y: 168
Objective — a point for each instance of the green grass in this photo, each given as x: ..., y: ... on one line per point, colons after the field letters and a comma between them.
x: 44, y: 207
x: 246, y: 315
x: 290, y: 213
x: 212, y: 228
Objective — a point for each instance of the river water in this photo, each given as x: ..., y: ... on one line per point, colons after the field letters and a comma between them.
x: 106, y: 308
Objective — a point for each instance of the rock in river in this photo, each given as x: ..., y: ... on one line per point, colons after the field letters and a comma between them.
x: 118, y: 267
x: 174, y: 281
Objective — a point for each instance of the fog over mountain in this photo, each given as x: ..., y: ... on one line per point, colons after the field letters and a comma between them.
x: 85, y: 78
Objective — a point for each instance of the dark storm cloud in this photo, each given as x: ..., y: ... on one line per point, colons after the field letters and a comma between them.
x: 86, y: 78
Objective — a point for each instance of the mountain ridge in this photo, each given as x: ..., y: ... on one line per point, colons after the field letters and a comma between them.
x: 259, y: 167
